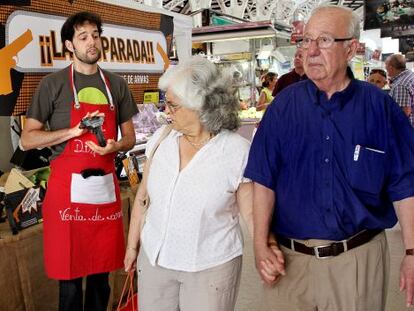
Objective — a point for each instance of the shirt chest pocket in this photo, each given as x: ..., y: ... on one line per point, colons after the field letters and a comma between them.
x: 367, y: 169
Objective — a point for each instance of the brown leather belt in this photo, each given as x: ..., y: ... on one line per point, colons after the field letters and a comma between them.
x: 330, y: 250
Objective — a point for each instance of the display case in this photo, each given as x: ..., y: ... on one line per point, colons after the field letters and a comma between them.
x: 241, y: 68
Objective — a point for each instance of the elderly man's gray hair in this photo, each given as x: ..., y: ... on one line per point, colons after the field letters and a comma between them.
x: 354, y: 29
x: 201, y: 86
x: 397, y: 61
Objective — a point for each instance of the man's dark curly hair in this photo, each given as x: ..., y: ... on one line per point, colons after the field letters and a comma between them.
x: 68, y: 29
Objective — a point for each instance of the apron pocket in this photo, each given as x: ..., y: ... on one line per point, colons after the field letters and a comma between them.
x: 92, y: 190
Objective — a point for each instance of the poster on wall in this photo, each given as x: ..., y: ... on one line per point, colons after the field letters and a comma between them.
x: 135, y: 45
x: 406, y: 47
x: 398, y: 32
x: 389, y: 15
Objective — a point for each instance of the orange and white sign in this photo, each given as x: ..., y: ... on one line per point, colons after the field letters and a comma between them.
x: 125, y: 49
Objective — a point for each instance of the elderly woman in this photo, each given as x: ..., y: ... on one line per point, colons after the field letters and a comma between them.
x: 191, y: 244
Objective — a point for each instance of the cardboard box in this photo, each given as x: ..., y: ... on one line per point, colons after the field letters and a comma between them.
x: 23, y: 199
x: 17, y: 180
x: 24, y: 208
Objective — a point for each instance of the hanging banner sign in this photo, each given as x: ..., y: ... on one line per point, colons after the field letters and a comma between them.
x: 38, y: 47
x: 297, y: 31
x: 135, y: 45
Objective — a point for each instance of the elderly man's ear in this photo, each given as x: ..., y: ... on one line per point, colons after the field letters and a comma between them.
x: 351, y: 49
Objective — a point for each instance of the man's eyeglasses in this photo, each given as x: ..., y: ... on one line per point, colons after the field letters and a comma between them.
x: 172, y: 107
x: 323, y: 42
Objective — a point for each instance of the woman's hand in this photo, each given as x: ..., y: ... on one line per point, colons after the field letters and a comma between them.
x: 130, y: 260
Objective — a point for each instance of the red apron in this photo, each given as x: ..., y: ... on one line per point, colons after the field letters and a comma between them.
x: 83, y: 230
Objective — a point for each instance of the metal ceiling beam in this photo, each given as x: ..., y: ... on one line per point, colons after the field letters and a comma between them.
x: 281, y: 11
x: 171, y: 5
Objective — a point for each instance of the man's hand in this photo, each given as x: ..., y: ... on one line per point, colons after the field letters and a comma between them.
x: 405, y: 212
x: 407, y: 110
x: 270, y: 263
x: 407, y: 279
x: 111, y: 146
x: 76, y: 131
x: 96, y: 113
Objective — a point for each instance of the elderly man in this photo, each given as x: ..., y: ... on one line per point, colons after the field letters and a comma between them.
x: 402, y: 84
x: 332, y: 167
x: 297, y: 74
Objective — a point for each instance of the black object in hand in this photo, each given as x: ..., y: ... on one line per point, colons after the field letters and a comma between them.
x: 92, y: 172
x: 94, y: 125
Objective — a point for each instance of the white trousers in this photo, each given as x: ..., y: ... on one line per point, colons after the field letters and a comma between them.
x: 213, y: 289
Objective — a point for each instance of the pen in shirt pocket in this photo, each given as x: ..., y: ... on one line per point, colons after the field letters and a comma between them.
x: 358, y: 150
x: 374, y: 150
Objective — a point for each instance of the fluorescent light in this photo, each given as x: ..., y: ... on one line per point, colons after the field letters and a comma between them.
x: 263, y: 54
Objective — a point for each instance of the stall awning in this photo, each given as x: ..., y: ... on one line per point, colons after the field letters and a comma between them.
x: 248, y: 30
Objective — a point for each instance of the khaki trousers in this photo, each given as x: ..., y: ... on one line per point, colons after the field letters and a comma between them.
x: 213, y: 289
x: 356, y: 280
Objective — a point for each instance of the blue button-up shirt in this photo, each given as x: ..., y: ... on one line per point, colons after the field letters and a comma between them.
x: 335, y: 165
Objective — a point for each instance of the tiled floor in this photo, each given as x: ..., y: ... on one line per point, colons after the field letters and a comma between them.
x: 250, y: 288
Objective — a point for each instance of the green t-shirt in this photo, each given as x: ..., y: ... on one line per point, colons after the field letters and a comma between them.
x: 52, y: 100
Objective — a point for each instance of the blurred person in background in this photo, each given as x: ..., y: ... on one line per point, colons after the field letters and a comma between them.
x: 401, y: 84
x: 269, y: 81
x: 297, y: 74
x: 190, y: 248
x: 378, y: 77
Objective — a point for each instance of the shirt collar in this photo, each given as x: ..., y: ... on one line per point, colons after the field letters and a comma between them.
x: 301, y: 77
x: 342, y: 96
x: 402, y: 73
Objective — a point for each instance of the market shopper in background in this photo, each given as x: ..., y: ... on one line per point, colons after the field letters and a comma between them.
x: 190, y: 249
x: 332, y: 166
x: 378, y: 77
x: 269, y: 81
x: 297, y: 74
x: 401, y: 84
x: 83, y: 231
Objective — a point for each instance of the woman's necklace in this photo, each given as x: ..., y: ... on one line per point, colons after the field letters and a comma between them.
x: 199, y: 144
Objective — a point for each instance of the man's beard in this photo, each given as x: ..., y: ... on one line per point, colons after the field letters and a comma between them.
x: 87, y: 60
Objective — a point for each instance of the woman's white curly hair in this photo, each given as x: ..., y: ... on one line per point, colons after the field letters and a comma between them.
x: 201, y: 86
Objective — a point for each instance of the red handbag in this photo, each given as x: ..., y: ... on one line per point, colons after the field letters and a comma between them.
x: 131, y: 303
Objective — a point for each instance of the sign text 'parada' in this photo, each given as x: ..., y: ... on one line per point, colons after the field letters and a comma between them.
x: 124, y: 49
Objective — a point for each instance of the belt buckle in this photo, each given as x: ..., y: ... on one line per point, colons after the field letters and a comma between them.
x: 316, y: 249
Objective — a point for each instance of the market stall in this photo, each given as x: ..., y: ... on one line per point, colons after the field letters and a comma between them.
x: 235, y: 47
